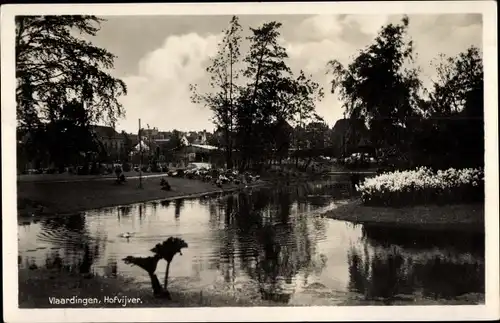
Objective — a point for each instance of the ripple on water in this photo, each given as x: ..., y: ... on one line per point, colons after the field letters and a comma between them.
x: 272, y: 245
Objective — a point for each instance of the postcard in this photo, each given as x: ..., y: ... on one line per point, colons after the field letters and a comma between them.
x: 250, y: 161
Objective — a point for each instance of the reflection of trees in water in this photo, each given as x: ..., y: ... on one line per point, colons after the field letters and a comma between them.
x: 178, y: 204
x: 154, y: 209
x: 70, y: 234
x: 125, y: 210
x: 274, y: 245
x: 319, y: 194
x: 470, y: 242
x: 388, y: 271
x: 111, y: 269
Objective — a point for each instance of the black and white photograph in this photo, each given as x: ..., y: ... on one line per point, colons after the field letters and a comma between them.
x: 251, y: 161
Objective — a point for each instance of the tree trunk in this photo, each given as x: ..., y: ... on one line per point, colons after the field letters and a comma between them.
x: 166, y: 275
x: 307, y: 163
x: 229, y: 159
x: 157, y: 290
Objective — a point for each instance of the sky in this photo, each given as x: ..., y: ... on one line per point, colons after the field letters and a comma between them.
x: 159, y: 56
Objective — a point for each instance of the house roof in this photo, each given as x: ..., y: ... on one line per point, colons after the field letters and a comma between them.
x: 343, y: 126
x: 104, y: 131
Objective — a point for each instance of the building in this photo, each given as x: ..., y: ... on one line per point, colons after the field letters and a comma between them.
x: 150, y: 133
x: 198, y: 153
x: 200, y: 138
x: 112, y: 142
x: 349, y: 136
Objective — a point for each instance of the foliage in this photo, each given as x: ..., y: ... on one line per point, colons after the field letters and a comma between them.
x: 439, y: 127
x: 168, y: 248
x: 67, y: 137
x: 380, y: 85
x: 222, y: 81
x: 311, y: 141
x: 127, y: 167
x: 453, y: 130
x: 51, y: 62
x: 63, y: 86
x: 423, y: 186
x: 255, y: 114
x: 459, y: 78
x: 272, y: 95
x: 128, y: 145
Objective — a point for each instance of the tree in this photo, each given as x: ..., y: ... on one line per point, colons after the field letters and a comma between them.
x: 61, y: 79
x: 380, y: 85
x: 453, y: 131
x: 222, y: 82
x: 128, y: 145
x: 53, y: 64
x: 282, y: 139
x: 175, y: 143
x: 271, y: 96
x: 214, y: 140
x: 311, y: 141
x: 459, y: 85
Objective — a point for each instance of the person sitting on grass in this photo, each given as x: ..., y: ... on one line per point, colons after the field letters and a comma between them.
x: 165, y: 185
x: 118, y: 171
x: 122, y: 178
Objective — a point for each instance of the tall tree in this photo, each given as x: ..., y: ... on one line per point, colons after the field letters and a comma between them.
x: 272, y: 94
x: 223, y: 77
x: 459, y: 85
x: 52, y: 62
x: 380, y: 85
x: 455, y: 112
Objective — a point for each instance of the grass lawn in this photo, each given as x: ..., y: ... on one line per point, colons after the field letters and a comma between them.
x: 36, y: 286
x: 469, y: 217
x: 72, y: 197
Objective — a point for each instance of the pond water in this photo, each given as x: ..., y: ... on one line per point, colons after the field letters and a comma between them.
x: 265, y: 244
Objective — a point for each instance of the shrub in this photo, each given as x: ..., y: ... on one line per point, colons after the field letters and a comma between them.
x: 94, y: 169
x: 423, y: 186
x: 155, y: 168
x: 82, y: 170
x: 127, y: 167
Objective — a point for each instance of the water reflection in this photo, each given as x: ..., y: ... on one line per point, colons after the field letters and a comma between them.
x: 393, y: 263
x: 268, y: 244
x: 72, y: 247
x: 179, y: 204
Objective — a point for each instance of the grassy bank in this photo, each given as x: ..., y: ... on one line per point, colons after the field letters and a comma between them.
x: 71, y: 197
x: 467, y: 217
x: 36, y: 286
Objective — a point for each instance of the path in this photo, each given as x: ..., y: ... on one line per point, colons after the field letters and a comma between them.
x: 67, y: 178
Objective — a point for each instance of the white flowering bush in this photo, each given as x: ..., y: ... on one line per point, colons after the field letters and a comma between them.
x: 423, y: 186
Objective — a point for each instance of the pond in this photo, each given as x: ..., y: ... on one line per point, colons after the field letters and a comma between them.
x: 266, y: 244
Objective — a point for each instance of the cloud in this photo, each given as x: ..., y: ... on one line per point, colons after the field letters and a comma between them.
x: 323, y: 38
x: 159, y: 93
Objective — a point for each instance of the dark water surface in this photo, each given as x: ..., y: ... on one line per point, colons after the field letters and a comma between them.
x: 270, y: 244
